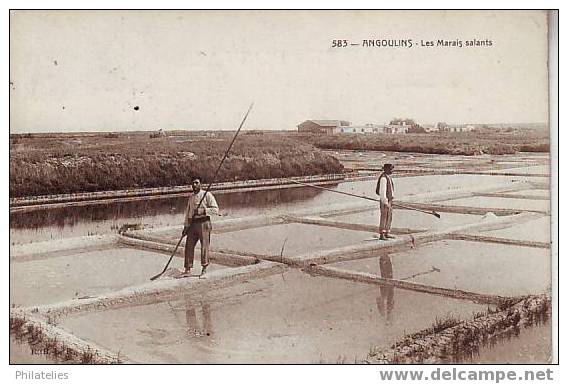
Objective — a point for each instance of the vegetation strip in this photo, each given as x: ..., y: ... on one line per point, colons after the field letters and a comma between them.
x: 436, y: 172
x: 483, y: 141
x: 48, y: 339
x: 448, y: 341
x: 51, y: 166
x: 403, y: 284
x: 499, y: 240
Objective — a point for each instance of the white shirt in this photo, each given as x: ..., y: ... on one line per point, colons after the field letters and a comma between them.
x: 209, y: 203
x: 383, y: 188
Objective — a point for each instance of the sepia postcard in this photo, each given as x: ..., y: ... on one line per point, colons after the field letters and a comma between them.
x: 282, y: 187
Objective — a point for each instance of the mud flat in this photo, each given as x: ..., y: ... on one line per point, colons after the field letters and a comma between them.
x: 285, y: 318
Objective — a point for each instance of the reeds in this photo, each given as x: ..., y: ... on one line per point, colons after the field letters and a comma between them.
x: 62, y: 164
x: 463, y: 143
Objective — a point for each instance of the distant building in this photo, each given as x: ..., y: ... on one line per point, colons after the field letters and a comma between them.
x: 367, y: 128
x: 400, y: 125
x: 444, y: 127
x: 326, y: 127
x: 159, y: 133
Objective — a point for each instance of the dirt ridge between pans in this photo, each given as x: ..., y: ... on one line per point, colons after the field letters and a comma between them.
x: 439, y: 346
x: 51, y: 340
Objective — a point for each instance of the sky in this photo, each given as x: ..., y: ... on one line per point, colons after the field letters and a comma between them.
x: 88, y: 71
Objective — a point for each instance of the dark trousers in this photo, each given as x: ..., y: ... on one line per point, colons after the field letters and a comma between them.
x: 198, y: 231
x: 386, y: 218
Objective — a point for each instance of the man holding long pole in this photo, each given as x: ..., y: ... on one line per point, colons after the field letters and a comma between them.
x: 385, y: 190
x: 197, y: 225
x: 204, y: 211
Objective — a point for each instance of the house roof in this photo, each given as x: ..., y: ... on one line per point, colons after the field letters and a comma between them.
x: 328, y: 123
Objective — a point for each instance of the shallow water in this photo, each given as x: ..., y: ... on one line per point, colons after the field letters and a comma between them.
x: 285, y: 318
x: 108, y: 218
x: 290, y: 317
x: 532, y: 345
x: 410, y: 219
x: 86, y: 274
x: 289, y: 239
x: 477, y: 267
x: 500, y: 202
x: 534, y: 230
x: 538, y: 169
x: 532, y: 192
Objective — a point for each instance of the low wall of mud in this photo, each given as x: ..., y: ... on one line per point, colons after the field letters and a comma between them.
x: 229, y: 259
x: 48, y: 201
x: 368, y: 278
x: 45, y: 338
x: 441, y: 343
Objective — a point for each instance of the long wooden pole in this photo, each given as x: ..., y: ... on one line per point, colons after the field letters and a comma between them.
x: 208, y: 188
x: 367, y: 198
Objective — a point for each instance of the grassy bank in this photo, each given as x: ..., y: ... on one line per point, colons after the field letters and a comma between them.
x: 52, y: 164
x: 462, y: 143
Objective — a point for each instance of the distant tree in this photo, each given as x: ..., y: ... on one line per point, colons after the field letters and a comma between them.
x: 442, y: 126
x: 399, y: 121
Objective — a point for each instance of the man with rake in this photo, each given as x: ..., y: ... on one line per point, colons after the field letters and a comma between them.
x: 197, y: 225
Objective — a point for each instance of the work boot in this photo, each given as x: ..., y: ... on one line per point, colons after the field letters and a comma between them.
x: 186, y: 273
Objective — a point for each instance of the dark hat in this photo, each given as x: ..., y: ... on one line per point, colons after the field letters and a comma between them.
x: 388, y: 166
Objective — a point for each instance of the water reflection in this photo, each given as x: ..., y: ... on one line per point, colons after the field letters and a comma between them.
x: 385, y: 299
x: 202, y: 328
x: 69, y: 216
x: 107, y: 218
x: 65, y: 216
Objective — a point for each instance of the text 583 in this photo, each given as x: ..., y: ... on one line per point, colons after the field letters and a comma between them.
x: 339, y: 43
